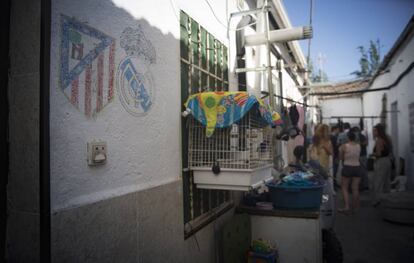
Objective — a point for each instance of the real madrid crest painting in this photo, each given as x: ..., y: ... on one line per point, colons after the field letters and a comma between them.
x: 135, y: 83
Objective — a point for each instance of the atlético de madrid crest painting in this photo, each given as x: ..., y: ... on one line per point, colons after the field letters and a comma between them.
x: 87, y: 66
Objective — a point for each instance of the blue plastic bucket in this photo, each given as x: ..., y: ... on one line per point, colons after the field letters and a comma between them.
x: 295, y: 197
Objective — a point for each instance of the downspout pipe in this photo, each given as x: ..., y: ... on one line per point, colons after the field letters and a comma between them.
x: 241, y: 50
x: 280, y: 76
x: 240, y: 35
x: 268, y: 58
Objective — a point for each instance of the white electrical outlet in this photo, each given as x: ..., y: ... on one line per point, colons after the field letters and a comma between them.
x: 96, y: 152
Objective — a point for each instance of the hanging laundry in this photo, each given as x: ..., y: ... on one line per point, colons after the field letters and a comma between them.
x: 284, y: 133
x: 294, y: 115
x: 297, y: 129
x: 301, y: 121
x: 222, y: 109
x: 361, y: 123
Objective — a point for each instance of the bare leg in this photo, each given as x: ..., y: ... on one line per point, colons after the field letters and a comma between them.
x: 344, y: 187
x: 355, y: 192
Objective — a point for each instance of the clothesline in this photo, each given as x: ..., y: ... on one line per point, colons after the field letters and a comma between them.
x: 354, y: 117
x: 288, y: 99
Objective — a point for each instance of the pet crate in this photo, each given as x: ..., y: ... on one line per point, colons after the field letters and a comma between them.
x: 236, y: 157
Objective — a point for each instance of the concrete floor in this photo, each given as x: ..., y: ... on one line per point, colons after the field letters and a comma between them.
x: 366, y: 237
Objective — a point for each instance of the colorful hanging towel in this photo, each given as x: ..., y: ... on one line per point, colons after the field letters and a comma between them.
x: 222, y: 109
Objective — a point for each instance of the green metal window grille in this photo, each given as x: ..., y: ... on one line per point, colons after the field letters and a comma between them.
x: 204, y: 67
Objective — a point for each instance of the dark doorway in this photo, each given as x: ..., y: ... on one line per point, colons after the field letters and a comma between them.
x: 4, y: 116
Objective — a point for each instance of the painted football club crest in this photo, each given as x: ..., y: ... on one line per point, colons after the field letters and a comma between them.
x: 134, y: 79
x: 87, y: 66
x: 135, y: 89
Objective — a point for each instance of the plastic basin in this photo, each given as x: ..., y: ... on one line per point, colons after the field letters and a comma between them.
x: 295, y: 197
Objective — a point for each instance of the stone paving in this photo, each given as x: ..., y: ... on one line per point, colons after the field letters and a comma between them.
x: 366, y: 237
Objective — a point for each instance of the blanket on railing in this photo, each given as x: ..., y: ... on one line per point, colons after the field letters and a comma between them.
x: 222, y: 109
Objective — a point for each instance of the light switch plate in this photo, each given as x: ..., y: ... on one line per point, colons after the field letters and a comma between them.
x: 97, y: 152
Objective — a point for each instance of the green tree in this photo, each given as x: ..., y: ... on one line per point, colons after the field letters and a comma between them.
x: 316, y: 75
x: 370, y: 59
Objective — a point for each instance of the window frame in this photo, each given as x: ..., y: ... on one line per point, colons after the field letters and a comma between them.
x: 204, y: 67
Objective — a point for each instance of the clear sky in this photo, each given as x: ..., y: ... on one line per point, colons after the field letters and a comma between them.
x: 340, y: 26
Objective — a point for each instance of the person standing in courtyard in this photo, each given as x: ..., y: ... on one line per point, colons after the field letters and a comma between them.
x: 363, y: 142
x: 335, y: 152
x: 343, y: 136
x: 351, y: 172
x: 323, y: 146
x: 382, y: 165
x: 320, y: 150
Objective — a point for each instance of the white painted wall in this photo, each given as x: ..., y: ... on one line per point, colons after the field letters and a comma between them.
x: 348, y: 106
x: 404, y: 95
x: 290, y: 89
x: 372, y: 107
x: 143, y: 151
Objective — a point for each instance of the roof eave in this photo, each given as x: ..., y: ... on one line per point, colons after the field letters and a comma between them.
x: 404, y: 36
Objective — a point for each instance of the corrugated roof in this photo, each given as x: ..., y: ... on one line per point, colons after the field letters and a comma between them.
x: 342, y: 87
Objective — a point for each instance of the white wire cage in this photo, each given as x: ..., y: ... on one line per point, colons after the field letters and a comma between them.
x: 243, y: 153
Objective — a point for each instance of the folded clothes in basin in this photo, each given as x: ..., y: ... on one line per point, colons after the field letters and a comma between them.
x: 300, y: 178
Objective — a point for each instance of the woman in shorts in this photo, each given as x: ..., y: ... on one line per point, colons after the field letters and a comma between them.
x: 351, y: 172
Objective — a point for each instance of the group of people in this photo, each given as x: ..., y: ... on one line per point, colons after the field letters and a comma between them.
x: 347, y: 148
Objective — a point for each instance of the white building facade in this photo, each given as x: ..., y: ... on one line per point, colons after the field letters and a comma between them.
x: 384, y: 98
x: 117, y: 75
x: 144, y: 141
x: 394, y: 97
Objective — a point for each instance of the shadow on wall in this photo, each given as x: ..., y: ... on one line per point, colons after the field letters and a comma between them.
x: 108, y: 57
x: 120, y: 80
